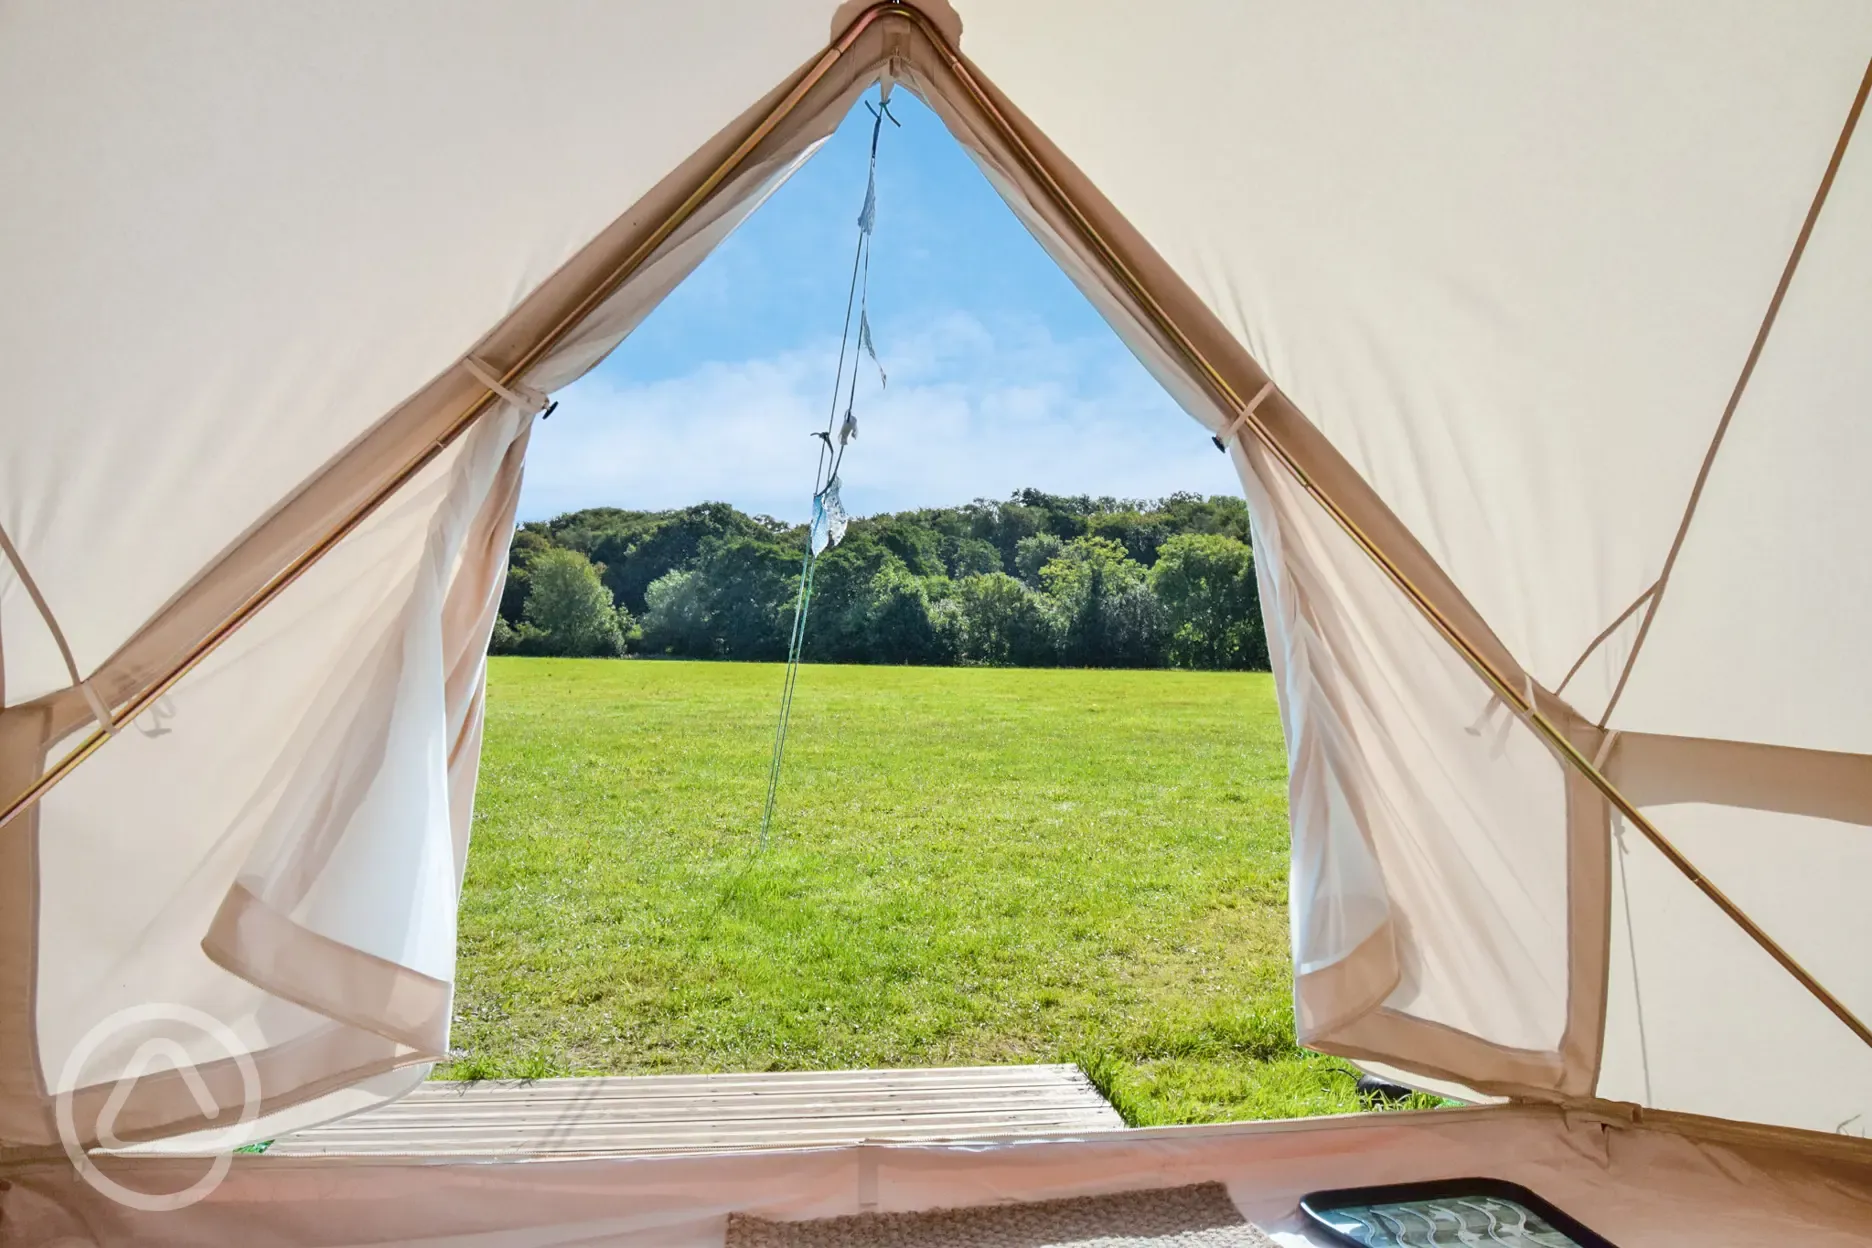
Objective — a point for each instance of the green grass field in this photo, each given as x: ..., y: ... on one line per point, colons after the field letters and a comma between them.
x: 968, y: 866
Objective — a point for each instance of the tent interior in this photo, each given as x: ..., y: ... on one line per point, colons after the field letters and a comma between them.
x: 1535, y: 334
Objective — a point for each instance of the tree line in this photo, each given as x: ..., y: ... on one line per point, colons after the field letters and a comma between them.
x: 1040, y: 580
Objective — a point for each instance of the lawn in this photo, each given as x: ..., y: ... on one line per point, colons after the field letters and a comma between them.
x: 968, y: 865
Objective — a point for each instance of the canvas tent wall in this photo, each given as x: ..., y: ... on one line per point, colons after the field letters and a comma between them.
x: 1535, y: 333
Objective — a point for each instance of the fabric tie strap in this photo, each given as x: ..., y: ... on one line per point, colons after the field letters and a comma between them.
x: 1240, y: 422
x: 98, y: 707
x: 522, y: 396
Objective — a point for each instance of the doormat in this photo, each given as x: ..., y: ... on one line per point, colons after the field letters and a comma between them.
x: 1198, y: 1216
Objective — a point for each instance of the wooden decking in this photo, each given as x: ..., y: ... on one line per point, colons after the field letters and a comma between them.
x: 714, y: 1113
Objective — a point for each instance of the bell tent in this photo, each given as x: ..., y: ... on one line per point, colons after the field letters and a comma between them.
x: 1539, y: 337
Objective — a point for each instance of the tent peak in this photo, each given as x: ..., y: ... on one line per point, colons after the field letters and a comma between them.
x: 938, y: 13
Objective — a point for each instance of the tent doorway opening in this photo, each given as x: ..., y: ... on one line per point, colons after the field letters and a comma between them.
x: 1033, y: 804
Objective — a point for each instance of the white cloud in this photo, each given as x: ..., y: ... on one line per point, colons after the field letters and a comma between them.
x: 971, y: 411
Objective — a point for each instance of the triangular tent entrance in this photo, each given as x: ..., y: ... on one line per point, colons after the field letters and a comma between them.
x: 1535, y: 334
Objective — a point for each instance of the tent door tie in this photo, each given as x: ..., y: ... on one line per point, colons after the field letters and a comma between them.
x: 98, y: 707
x: 1234, y: 428
x: 521, y: 395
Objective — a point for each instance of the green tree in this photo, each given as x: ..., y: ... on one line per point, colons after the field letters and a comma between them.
x: 1034, y: 553
x: 970, y: 556
x: 504, y: 639
x: 947, y: 624
x: 901, y: 627
x: 1066, y: 575
x: 1140, y: 533
x: 528, y: 542
x: 919, y: 546
x: 676, y: 616
x: 1226, y: 515
x: 838, y: 622
x: 1004, y: 623
x: 751, y: 586
x: 923, y: 586
x: 1004, y: 524
x: 1103, y: 599
x: 1131, y: 628
x: 569, y: 605
x: 636, y: 555
x: 1206, y: 583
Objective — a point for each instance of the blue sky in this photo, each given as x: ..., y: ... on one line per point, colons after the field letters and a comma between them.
x: 1001, y: 374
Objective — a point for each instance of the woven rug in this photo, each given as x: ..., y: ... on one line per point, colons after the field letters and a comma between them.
x: 1199, y: 1216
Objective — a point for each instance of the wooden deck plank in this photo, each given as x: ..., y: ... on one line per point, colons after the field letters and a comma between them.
x: 959, y: 1076
x: 755, y: 1101
x: 866, y: 1124
x: 658, y: 1114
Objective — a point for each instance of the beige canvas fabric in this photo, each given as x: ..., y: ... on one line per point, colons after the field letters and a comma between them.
x: 1360, y: 180
x: 1567, y: 257
x: 371, y: 797
x: 380, y: 189
x: 1487, y: 277
x: 274, y: 918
